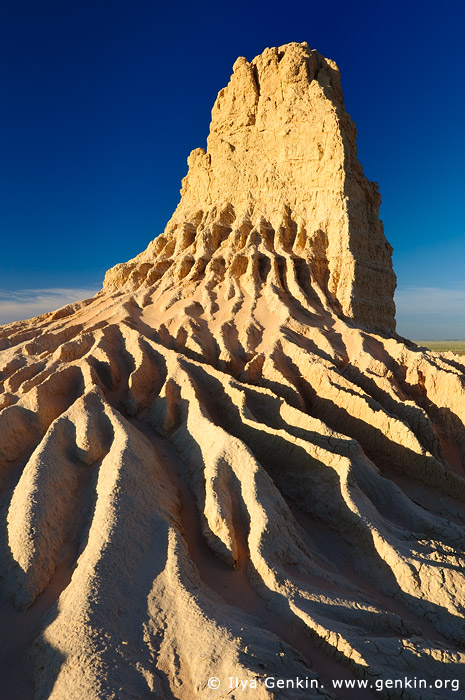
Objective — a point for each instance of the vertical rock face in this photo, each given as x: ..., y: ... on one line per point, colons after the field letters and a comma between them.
x: 212, y: 468
x: 281, y: 171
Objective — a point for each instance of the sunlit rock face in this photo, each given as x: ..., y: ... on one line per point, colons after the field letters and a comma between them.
x: 279, y: 191
x: 227, y: 464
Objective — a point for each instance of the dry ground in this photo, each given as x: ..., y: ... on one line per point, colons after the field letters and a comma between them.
x: 457, y: 346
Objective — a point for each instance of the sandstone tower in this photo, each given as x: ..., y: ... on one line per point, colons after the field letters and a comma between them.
x: 279, y: 185
x: 226, y: 463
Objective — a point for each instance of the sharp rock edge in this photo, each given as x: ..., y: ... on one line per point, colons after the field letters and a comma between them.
x: 227, y: 463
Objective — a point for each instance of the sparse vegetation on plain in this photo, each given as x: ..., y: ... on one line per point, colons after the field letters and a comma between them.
x: 457, y: 346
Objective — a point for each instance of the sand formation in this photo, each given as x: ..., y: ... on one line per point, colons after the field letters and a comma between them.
x: 227, y: 463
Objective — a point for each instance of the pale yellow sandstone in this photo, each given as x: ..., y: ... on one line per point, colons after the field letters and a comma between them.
x: 227, y: 463
x: 280, y: 180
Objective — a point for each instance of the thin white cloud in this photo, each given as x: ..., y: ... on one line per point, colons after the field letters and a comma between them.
x: 431, y: 313
x: 27, y: 303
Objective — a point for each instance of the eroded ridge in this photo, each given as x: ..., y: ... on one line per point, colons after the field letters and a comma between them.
x: 219, y: 471
x: 279, y: 183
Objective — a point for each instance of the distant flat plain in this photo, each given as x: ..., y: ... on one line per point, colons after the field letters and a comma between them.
x: 457, y: 346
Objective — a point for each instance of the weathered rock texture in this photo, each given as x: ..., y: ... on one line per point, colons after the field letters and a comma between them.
x: 213, y: 468
x: 279, y: 187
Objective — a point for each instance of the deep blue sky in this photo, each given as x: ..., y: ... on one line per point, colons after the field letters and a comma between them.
x: 103, y: 101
